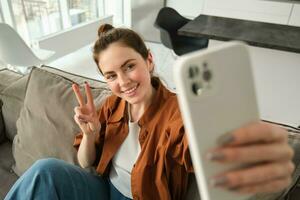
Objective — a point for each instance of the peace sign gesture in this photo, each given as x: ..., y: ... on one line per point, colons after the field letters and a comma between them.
x: 85, y: 114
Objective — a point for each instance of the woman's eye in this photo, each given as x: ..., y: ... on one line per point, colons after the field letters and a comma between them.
x: 129, y: 67
x: 110, y: 77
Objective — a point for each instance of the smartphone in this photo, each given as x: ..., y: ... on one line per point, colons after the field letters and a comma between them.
x: 216, y: 95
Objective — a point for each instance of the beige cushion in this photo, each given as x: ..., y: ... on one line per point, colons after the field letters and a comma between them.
x: 46, y: 127
x: 8, y: 77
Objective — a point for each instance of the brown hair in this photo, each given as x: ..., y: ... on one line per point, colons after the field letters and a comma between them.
x: 107, y: 35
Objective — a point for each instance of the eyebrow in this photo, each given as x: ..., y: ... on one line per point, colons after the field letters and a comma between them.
x: 127, y: 61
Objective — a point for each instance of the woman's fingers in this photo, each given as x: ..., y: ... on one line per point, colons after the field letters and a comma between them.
x: 86, y: 118
x: 258, y: 132
x: 78, y: 110
x: 266, y: 187
x: 254, y: 175
x: 252, y: 153
x: 90, y: 99
x: 78, y: 94
x: 77, y: 120
x: 262, y: 145
x: 83, y: 116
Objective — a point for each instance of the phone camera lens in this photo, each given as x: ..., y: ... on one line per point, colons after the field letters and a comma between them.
x: 193, y: 71
x: 197, y: 88
x: 207, y: 75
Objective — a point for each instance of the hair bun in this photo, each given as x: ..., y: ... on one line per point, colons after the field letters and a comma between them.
x: 104, y: 28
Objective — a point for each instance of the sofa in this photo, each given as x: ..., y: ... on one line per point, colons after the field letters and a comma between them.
x: 36, y: 121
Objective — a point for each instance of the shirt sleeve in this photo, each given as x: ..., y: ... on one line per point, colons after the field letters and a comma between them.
x: 178, y: 147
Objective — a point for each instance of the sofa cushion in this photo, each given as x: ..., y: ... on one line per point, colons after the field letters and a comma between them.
x: 46, y: 127
x: 8, y: 177
x: 11, y: 101
x: 8, y: 77
x: 2, y: 133
x: 13, y: 97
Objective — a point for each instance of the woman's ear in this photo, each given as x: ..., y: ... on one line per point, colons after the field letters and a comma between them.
x: 150, y: 61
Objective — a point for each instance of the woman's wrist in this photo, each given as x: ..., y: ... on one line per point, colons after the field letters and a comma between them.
x: 90, y: 136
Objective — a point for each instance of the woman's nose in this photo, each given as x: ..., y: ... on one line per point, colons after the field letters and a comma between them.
x: 123, y: 80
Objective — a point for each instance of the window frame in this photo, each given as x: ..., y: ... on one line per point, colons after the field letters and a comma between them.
x: 7, y: 14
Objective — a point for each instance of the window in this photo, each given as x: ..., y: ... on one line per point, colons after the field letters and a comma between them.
x: 37, y: 17
x: 1, y: 15
x: 82, y: 11
x: 34, y: 19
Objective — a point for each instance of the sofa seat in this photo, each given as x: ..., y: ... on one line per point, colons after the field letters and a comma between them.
x: 8, y: 177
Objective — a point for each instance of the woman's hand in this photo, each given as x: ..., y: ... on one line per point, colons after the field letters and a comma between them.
x: 85, y: 114
x: 264, y: 150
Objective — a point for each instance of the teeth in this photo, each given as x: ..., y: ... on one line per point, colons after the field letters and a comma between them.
x: 131, y: 90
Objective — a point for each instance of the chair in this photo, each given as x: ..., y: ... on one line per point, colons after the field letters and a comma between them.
x: 169, y: 21
x: 15, y: 52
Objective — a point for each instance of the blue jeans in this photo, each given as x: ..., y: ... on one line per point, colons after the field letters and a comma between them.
x: 55, y: 179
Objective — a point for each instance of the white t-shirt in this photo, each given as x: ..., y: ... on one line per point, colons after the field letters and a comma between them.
x: 123, y: 161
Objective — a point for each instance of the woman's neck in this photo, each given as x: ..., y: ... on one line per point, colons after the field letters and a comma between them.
x: 137, y: 110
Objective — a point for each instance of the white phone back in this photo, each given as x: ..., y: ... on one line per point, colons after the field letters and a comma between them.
x: 226, y: 102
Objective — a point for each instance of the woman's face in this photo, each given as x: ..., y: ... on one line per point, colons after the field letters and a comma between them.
x: 127, y: 73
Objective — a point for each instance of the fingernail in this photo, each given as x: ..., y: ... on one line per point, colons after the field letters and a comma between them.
x: 218, y: 181
x: 225, y: 139
x: 215, y: 156
x: 86, y: 82
x: 75, y: 84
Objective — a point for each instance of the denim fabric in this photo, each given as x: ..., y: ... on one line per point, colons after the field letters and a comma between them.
x: 55, y: 179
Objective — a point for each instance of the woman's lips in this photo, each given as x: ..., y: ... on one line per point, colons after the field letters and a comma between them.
x: 131, y: 91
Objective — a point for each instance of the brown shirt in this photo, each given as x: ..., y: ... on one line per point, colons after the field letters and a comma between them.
x: 163, y: 166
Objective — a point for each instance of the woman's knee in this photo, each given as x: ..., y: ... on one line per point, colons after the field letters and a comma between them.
x: 46, y: 164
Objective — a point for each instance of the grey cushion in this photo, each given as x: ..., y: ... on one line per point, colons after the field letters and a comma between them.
x: 8, y: 177
x: 46, y: 127
x: 13, y: 97
x: 11, y: 105
x: 2, y: 133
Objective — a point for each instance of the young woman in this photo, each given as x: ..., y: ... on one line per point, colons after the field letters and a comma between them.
x: 137, y: 141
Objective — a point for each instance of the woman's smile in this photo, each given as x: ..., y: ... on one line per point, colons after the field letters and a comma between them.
x: 130, y: 91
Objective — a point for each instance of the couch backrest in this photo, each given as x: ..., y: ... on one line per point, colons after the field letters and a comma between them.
x: 12, y: 92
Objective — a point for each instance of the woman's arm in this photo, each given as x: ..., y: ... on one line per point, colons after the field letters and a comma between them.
x: 87, y: 119
x: 87, y: 150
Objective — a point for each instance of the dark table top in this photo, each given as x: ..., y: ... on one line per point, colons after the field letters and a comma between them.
x: 267, y: 35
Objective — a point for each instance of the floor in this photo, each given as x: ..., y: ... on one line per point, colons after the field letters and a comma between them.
x: 81, y: 62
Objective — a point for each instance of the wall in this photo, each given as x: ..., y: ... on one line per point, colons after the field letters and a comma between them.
x: 187, y: 8
x: 143, y: 15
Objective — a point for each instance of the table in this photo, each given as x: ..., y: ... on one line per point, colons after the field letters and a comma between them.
x: 267, y: 35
